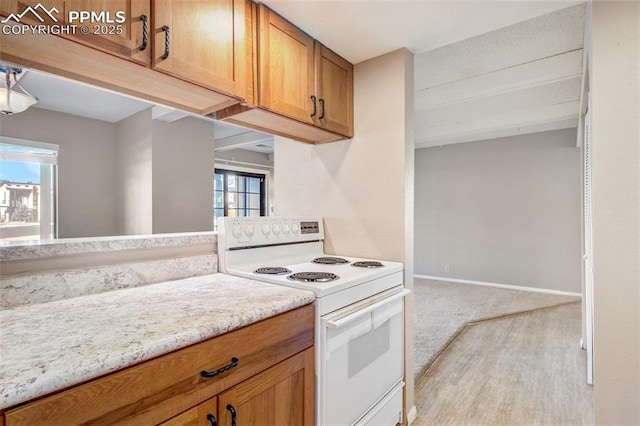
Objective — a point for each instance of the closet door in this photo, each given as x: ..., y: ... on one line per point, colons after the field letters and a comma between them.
x: 588, y: 242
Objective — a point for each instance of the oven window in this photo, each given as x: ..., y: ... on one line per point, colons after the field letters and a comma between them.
x: 238, y: 194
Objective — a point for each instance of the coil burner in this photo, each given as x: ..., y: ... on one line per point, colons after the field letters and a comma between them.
x: 330, y: 260
x: 367, y: 264
x: 313, y: 277
x: 272, y: 270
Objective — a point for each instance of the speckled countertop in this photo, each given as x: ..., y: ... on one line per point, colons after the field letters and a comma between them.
x: 49, y: 346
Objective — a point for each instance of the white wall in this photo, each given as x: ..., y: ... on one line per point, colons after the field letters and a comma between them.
x: 245, y: 156
x: 86, y: 167
x: 615, y: 90
x: 362, y: 187
x: 503, y: 211
x: 134, y: 174
x: 182, y: 176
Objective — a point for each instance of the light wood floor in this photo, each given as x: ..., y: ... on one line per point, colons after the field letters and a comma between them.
x: 522, y: 369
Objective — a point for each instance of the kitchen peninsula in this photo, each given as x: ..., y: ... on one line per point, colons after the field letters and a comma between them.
x: 140, y: 354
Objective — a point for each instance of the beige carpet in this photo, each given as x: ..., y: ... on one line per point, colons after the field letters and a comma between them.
x: 522, y: 369
x: 443, y: 308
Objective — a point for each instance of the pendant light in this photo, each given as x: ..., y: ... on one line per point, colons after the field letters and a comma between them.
x: 12, y: 101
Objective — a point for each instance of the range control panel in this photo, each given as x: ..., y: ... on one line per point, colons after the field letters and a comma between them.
x: 268, y: 230
x: 309, y: 227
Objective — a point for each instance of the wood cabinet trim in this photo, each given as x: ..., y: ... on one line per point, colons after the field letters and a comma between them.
x: 267, y: 121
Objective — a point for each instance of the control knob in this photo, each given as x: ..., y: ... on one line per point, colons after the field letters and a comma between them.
x: 236, y: 231
x: 248, y: 230
x: 295, y: 228
x: 266, y: 229
x: 285, y: 228
x: 275, y: 228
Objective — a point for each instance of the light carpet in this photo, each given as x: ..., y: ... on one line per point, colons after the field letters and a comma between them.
x: 442, y: 309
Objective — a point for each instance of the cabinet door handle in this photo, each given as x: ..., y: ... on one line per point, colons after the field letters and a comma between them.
x: 145, y: 32
x: 166, y: 42
x: 207, y: 374
x: 315, y: 109
x: 212, y: 419
x: 322, y: 105
x: 232, y: 410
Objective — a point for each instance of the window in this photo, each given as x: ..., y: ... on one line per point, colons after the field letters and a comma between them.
x: 27, y: 190
x: 238, y: 194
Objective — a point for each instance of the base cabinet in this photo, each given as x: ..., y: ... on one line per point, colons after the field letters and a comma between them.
x: 261, y: 374
x: 281, y: 395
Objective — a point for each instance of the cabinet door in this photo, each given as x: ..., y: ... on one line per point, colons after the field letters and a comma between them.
x: 281, y: 395
x: 335, y: 91
x: 285, y: 74
x: 204, y: 414
x: 114, y: 26
x: 202, y: 41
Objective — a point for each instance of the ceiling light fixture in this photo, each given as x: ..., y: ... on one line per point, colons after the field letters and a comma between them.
x: 12, y: 101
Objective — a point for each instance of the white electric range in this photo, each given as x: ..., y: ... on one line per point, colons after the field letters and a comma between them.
x: 359, y: 331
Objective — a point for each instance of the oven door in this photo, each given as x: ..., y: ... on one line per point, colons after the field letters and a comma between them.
x: 361, y: 358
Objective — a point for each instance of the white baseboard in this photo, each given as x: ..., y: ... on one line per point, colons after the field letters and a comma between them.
x: 510, y: 287
x: 412, y: 415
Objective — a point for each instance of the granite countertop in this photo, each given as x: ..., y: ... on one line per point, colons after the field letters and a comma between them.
x: 49, y: 346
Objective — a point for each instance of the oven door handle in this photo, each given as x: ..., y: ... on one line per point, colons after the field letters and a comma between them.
x: 339, y: 322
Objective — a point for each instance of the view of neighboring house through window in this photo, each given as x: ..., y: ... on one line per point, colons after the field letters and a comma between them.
x: 238, y: 194
x: 27, y: 190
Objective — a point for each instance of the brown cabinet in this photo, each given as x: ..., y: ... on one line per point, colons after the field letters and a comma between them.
x: 204, y: 414
x: 304, y: 90
x: 286, y: 71
x: 119, y: 27
x: 265, y: 370
x: 203, y: 42
x: 281, y: 395
x: 334, y: 88
x: 302, y: 79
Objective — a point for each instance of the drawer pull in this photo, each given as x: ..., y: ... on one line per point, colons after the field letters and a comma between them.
x: 212, y: 419
x: 207, y: 374
x: 232, y: 410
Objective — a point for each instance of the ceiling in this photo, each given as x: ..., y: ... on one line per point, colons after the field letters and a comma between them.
x: 482, y: 71
x: 363, y: 29
x: 524, y: 78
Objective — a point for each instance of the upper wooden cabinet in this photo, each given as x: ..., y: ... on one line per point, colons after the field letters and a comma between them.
x: 304, y: 90
x: 119, y: 27
x: 302, y: 79
x: 286, y: 74
x: 334, y: 88
x: 203, y: 42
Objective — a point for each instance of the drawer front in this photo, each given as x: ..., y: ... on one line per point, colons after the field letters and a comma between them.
x: 161, y: 388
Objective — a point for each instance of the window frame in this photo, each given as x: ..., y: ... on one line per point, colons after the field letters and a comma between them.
x: 226, y: 172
